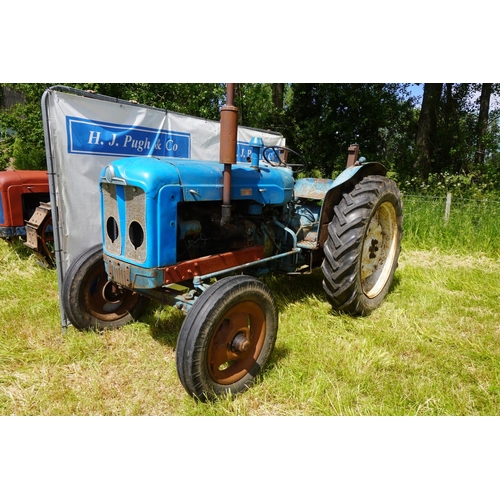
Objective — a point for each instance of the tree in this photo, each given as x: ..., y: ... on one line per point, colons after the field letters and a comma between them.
x: 482, y: 122
x: 278, y: 93
x: 427, y: 127
x: 450, y: 133
x: 25, y: 118
x: 323, y: 119
x: 256, y: 104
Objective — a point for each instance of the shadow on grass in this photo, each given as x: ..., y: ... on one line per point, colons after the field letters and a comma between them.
x: 164, y: 323
x: 396, y: 282
x: 296, y: 288
x: 16, y: 244
x: 24, y: 253
x: 288, y: 289
x: 280, y: 352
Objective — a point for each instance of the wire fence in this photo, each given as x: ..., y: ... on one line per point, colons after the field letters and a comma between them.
x: 452, y: 224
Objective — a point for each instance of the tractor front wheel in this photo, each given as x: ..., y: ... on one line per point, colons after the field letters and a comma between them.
x: 363, y: 246
x: 92, y: 302
x: 227, y: 337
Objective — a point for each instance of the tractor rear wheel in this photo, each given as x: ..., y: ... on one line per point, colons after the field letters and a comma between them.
x: 227, y: 337
x: 362, y: 250
x: 92, y: 302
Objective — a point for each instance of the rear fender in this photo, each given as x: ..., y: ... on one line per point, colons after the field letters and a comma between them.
x: 348, y: 178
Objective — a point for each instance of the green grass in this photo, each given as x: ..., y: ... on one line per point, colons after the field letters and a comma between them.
x: 473, y: 225
x: 432, y: 348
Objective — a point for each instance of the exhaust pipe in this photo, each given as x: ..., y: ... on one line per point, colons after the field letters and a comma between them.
x: 228, y: 138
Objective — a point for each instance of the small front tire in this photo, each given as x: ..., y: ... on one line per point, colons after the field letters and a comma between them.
x: 227, y: 337
x: 91, y: 301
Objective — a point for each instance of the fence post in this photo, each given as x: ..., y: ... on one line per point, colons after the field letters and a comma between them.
x: 447, y: 209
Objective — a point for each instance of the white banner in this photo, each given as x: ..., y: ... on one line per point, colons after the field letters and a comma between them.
x: 85, y: 132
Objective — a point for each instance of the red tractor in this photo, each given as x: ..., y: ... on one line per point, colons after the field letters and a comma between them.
x: 25, y: 211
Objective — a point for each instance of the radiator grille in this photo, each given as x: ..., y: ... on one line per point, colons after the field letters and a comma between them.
x: 135, y: 239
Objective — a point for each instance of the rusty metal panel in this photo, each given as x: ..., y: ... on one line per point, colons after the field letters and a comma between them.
x: 31, y: 238
x: 118, y: 271
x: 310, y: 241
x: 211, y: 264
x: 39, y: 233
x: 313, y: 189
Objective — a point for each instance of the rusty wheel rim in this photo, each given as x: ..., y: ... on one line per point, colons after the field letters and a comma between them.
x: 236, y: 343
x: 47, y: 238
x: 104, y: 299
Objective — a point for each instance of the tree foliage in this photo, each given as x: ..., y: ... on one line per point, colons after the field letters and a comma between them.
x: 454, y: 132
x: 458, y: 137
x: 324, y: 119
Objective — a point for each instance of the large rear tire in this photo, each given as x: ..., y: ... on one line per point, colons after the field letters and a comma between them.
x: 227, y: 337
x: 363, y: 246
x: 92, y: 302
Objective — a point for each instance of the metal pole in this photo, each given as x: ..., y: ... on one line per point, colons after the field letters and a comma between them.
x: 228, y: 139
x: 56, y: 224
x: 448, y: 208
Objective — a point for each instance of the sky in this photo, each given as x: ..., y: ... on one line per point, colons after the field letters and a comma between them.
x: 417, y: 90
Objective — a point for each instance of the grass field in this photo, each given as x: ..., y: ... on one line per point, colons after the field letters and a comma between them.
x: 432, y: 348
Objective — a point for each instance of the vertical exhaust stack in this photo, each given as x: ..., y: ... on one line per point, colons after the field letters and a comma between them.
x: 228, y: 138
x: 352, y: 155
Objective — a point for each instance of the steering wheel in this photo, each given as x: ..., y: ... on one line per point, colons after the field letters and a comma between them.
x: 276, y: 152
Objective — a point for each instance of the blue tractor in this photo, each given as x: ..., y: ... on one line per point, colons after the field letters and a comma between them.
x: 197, y: 235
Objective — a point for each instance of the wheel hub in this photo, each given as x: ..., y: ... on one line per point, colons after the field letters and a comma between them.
x: 111, y: 293
x: 240, y: 343
x: 379, y: 250
x: 236, y: 342
x: 371, y: 250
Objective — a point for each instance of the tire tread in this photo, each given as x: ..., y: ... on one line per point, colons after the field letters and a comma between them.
x: 342, y: 249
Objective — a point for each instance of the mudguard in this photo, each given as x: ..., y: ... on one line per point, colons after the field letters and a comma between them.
x: 317, y: 189
x: 330, y: 191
